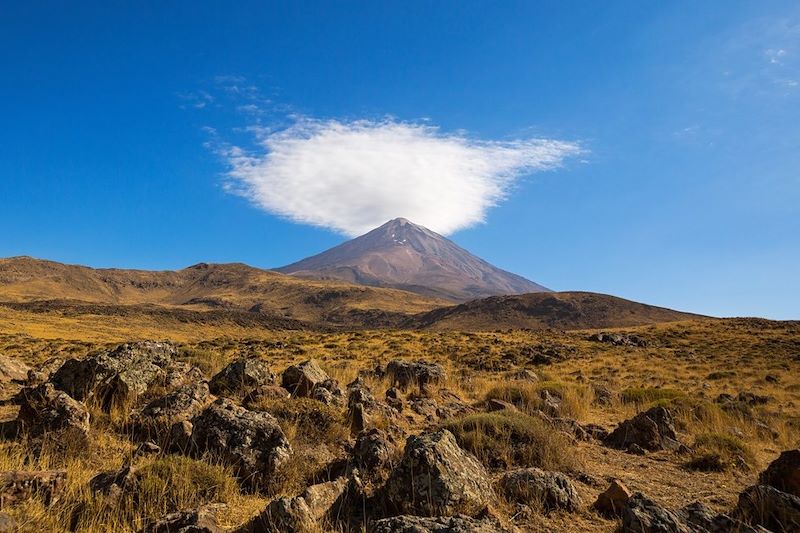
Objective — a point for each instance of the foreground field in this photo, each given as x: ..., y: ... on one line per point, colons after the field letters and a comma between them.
x: 512, y: 399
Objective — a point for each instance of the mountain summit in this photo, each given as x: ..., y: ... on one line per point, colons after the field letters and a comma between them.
x: 403, y: 255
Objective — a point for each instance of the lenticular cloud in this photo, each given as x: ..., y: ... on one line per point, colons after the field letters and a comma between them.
x: 354, y: 176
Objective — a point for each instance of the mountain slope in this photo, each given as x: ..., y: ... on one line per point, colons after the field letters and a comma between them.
x: 232, y: 287
x: 406, y: 256
x: 559, y: 310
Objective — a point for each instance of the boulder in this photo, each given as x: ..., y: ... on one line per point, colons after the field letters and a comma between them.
x: 18, y: 485
x: 265, y: 393
x: 651, y: 430
x: 250, y: 441
x: 769, y: 507
x: 301, y: 380
x: 115, y: 376
x: 536, y: 487
x: 439, y: 524
x: 611, y: 501
x: 374, y: 452
x: 43, y: 409
x: 240, y: 376
x: 619, y: 339
x: 112, y: 483
x: 156, y: 419
x: 436, y: 477
x: 197, y: 521
x: 784, y: 473
x: 643, y: 515
x: 701, y: 518
x: 305, y: 513
x: 420, y: 373
x: 12, y: 369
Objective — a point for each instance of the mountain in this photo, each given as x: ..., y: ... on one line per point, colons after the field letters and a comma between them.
x: 406, y: 256
x: 230, y: 288
x: 558, y: 310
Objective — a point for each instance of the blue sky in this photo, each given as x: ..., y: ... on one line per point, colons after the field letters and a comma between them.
x: 677, y: 183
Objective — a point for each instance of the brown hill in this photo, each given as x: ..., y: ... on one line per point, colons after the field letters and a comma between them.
x: 234, y: 288
x: 406, y: 256
x: 560, y: 310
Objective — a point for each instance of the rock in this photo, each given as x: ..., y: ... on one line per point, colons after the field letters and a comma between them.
x: 635, y: 449
x: 180, y: 437
x: 250, y: 441
x: 440, y: 524
x: 602, y: 395
x: 197, y: 521
x: 652, y: 430
x: 374, y: 452
x: 595, y: 431
x: 613, y: 499
x: 358, y: 418
x: 523, y: 374
x: 265, y: 393
x: 420, y: 373
x: 784, y: 473
x: 241, y: 375
x: 147, y: 448
x: 328, y: 392
x: 115, y: 376
x: 301, y: 514
x: 700, y: 518
x: 43, y: 409
x: 7, y: 524
x: 494, y: 404
x: 12, y: 369
x: 769, y: 507
x: 619, y: 339
x: 436, y: 477
x: 301, y: 380
x: 156, y: 419
x: 394, y: 399
x: 112, y: 483
x: 181, y: 373
x: 751, y: 398
x: 533, y: 486
x: 18, y: 485
x: 643, y: 515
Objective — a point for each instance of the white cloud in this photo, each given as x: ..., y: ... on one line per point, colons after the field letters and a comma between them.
x: 354, y: 176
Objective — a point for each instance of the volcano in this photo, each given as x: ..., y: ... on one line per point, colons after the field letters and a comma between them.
x: 404, y: 255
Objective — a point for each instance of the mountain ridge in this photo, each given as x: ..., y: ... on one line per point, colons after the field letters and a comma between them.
x: 403, y: 255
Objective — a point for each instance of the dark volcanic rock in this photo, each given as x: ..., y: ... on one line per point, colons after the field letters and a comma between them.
x: 252, y: 442
x: 437, y: 477
x: 420, y: 373
x: 115, y: 376
x: 784, y: 473
x: 651, y: 430
x: 44, y: 409
x: 301, y: 380
x: 198, y: 521
x: 643, y: 515
x: 241, y: 375
x: 439, y: 524
x: 551, y: 490
x: 619, y: 339
x: 18, y: 485
x: 156, y: 419
x: 374, y: 453
x: 770, y: 508
x: 301, y: 514
x: 703, y: 520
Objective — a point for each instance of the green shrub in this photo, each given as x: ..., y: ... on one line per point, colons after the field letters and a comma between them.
x: 507, y: 438
x: 717, y: 452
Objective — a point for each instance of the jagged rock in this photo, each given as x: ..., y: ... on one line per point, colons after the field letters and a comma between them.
x: 550, y: 403
x: 7, y: 524
x: 611, y: 501
x: 451, y: 405
x: 358, y: 418
x: 436, y: 477
x: 112, y: 483
x: 595, y: 431
x: 394, y: 399
x: 115, y: 376
x: 770, y: 508
x: 523, y: 374
x: 551, y: 490
x: 651, y: 430
x: 643, y: 515
x: 751, y: 398
x: 440, y: 524
x: 602, y: 395
x: 147, y: 448
x: 301, y: 380
x: 619, y: 339
x: 420, y: 373
x: 328, y: 392
x: 700, y: 518
x: 241, y: 375
x: 156, y: 419
x: 250, y: 441
x: 43, y: 371
x: 44, y: 409
x: 180, y: 437
x: 494, y: 404
x: 424, y: 406
x: 18, y: 485
x: 181, y: 373
x: 301, y: 514
x: 784, y: 473
x: 374, y: 452
x: 265, y: 393
x: 12, y: 369
x: 197, y: 521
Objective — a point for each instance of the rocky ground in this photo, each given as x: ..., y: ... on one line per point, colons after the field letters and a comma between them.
x: 684, y: 427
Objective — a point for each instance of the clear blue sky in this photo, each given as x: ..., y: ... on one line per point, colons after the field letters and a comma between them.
x: 687, y: 194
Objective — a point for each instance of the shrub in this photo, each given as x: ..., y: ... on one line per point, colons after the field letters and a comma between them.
x: 574, y: 400
x: 506, y: 438
x: 308, y: 419
x: 717, y: 452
